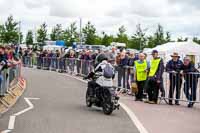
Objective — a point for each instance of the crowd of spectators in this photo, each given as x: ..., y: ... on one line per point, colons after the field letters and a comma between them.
x: 8, y: 66
x: 81, y: 62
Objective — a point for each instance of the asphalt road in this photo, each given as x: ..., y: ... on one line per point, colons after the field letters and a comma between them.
x: 61, y: 108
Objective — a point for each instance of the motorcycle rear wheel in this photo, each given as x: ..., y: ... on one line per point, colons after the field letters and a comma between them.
x: 108, y: 108
x: 88, y: 99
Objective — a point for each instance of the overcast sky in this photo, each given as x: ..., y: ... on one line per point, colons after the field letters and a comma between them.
x: 180, y: 17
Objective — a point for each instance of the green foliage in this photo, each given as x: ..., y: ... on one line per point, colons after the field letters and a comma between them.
x: 29, y: 38
x: 106, y: 39
x: 42, y: 33
x: 159, y: 37
x: 122, y: 37
x: 9, y: 32
x: 2, y: 33
x: 70, y: 35
x: 181, y: 39
x: 56, y: 33
x: 168, y: 37
x: 195, y: 39
x: 138, y: 40
x: 89, y: 32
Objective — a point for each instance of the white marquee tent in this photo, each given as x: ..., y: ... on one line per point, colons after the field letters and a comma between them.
x: 188, y: 48
x: 52, y: 47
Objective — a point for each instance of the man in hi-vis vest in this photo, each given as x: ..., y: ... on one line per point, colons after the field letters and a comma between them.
x: 155, y: 78
x: 141, y: 67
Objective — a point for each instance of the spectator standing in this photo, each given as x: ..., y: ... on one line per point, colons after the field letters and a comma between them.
x: 155, y: 78
x: 3, y: 65
x: 112, y: 56
x: 72, y: 57
x: 131, y: 64
x: 191, y: 76
x: 123, y: 62
x: 141, y: 69
x: 174, y: 67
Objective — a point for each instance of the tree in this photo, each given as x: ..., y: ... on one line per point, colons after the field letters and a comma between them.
x: 42, y: 33
x: 195, y: 39
x: 29, y: 38
x: 106, y: 39
x: 159, y: 36
x: 89, y: 32
x: 71, y: 34
x: 122, y: 36
x: 138, y: 40
x: 168, y: 37
x: 151, y: 42
x: 10, y: 31
x: 2, y: 32
x: 181, y: 39
x: 57, y: 33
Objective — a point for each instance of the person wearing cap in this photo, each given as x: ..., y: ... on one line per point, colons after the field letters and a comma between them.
x: 174, y: 67
x: 141, y: 69
x: 191, y: 76
x: 155, y: 78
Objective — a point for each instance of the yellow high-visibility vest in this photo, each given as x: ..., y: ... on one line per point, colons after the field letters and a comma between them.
x: 154, y: 67
x: 140, y: 70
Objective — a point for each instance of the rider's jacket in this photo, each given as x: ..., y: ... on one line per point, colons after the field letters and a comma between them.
x: 102, y: 65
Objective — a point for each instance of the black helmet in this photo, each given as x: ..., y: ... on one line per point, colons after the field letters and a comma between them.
x: 100, y: 58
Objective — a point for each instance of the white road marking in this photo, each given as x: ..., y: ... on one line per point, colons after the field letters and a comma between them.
x: 130, y: 113
x: 134, y: 119
x: 27, y: 109
x: 11, y: 123
x: 6, y: 131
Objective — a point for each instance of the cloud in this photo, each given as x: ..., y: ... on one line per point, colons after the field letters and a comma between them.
x: 5, y: 5
x: 188, y: 3
x: 180, y: 17
x: 35, y: 3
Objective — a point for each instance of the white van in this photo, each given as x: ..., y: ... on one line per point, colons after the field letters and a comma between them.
x: 118, y: 45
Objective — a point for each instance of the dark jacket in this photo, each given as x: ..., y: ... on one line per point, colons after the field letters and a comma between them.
x: 159, y: 72
x: 3, y: 62
x: 174, y: 66
x: 188, y: 70
x: 85, y: 57
x: 123, y: 62
x: 131, y: 61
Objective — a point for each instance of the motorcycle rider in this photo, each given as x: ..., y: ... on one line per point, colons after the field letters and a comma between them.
x: 102, y: 62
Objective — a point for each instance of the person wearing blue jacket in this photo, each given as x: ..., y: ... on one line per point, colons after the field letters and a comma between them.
x: 174, y: 67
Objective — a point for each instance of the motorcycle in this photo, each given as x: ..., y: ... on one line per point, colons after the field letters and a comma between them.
x: 104, y: 95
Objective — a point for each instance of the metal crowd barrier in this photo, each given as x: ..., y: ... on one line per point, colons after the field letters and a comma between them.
x: 71, y: 65
x: 8, y: 78
x: 182, y: 87
x: 125, y: 76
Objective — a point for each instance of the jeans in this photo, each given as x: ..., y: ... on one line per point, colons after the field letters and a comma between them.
x: 2, y: 87
x: 121, y: 76
x: 130, y: 78
x: 71, y: 64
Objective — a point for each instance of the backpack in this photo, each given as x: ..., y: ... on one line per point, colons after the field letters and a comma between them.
x: 108, y: 71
